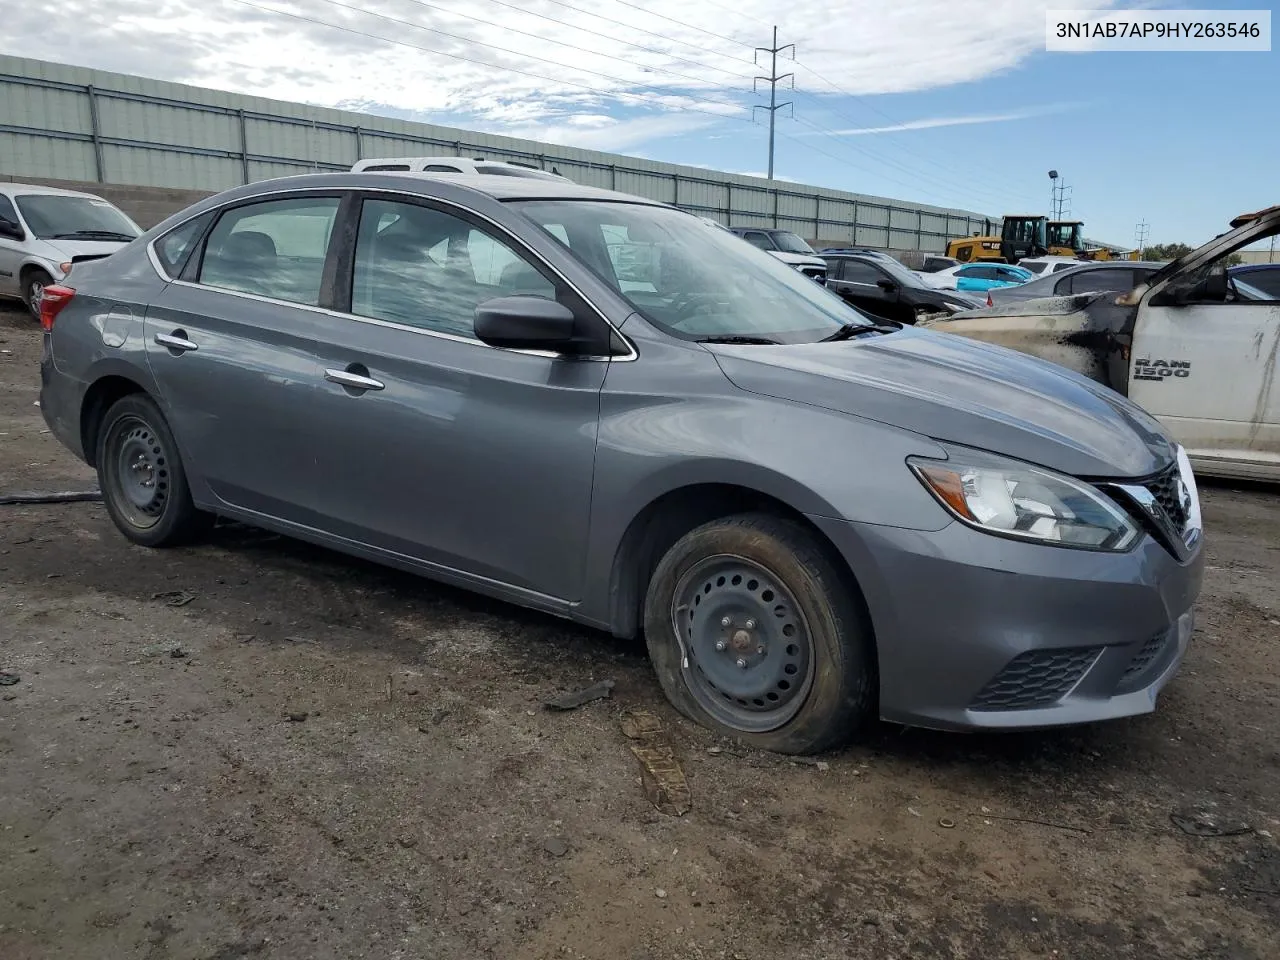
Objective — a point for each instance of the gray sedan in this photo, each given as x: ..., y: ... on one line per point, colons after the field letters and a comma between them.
x: 608, y: 410
x: 1109, y: 275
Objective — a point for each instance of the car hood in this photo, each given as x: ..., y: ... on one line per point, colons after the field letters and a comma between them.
x: 964, y: 392
x: 799, y: 259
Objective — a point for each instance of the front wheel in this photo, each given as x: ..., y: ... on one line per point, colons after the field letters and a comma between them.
x: 33, y: 289
x: 144, y: 486
x: 754, y: 632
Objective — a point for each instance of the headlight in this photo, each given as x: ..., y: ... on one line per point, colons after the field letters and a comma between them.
x: 1010, y: 499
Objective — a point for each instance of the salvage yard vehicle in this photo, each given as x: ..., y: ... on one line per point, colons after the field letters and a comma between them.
x: 1116, y: 276
x: 45, y: 232
x: 885, y: 288
x: 447, y: 375
x: 787, y: 247
x: 977, y: 277
x: 1195, y: 344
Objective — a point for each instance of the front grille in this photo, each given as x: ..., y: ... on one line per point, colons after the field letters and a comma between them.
x: 1037, y: 678
x: 1133, y: 674
x: 1166, y: 488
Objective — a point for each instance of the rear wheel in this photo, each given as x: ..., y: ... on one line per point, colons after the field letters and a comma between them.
x: 144, y: 486
x: 33, y: 289
x: 754, y: 632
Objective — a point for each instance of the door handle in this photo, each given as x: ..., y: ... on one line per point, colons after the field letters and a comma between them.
x: 353, y: 381
x: 176, y: 341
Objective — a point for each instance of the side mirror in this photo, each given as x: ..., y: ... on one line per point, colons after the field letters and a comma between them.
x: 525, y: 323
x: 11, y: 230
x: 887, y: 285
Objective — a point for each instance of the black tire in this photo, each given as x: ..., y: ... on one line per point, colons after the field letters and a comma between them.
x: 33, y: 285
x: 140, y: 473
x: 827, y: 690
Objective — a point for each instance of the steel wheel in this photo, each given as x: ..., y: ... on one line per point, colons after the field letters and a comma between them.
x: 747, y: 643
x: 138, y: 473
x: 35, y: 290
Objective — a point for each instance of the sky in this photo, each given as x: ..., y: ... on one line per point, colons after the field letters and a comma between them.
x: 949, y: 102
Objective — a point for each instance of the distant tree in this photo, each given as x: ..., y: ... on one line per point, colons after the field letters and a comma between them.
x: 1172, y: 251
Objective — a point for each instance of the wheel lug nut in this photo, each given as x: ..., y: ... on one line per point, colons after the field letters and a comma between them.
x: 721, y: 645
x: 725, y: 622
x: 750, y: 624
x: 742, y: 664
x: 760, y: 649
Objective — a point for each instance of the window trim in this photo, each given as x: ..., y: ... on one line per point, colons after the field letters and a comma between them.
x: 352, y: 224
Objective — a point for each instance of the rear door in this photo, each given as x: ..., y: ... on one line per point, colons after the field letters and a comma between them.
x: 1207, y: 370
x: 231, y: 344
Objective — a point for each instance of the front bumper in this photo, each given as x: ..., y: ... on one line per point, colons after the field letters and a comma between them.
x: 975, y: 631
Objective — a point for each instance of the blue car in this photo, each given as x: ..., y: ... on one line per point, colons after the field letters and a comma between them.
x: 977, y: 277
x: 981, y: 277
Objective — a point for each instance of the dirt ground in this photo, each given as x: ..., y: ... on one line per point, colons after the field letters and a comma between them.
x: 318, y: 758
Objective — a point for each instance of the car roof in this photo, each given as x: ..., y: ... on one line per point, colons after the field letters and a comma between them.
x: 24, y: 189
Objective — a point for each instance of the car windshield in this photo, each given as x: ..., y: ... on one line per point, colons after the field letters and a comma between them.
x: 688, y: 278
x: 790, y: 243
x: 53, y: 216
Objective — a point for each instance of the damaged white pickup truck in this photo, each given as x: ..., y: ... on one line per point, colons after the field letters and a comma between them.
x: 1193, y: 346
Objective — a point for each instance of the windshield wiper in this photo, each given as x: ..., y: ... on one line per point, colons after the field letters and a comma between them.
x: 851, y: 330
x: 738, y: 338
x: 93, y: 234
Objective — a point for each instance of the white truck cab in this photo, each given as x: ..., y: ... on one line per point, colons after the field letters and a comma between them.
x: 1193, y: 345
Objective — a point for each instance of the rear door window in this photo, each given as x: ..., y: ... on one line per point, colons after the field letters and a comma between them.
x: 274, y: 249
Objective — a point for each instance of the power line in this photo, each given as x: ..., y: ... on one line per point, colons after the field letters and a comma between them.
x: 453, y: 36
x: 873, y: 108
x: 772, y: 79
x: 607, y: 36
x: 496, y: 66
x: 919, y: 176
x: 526, y: 33
x: 710, y: 33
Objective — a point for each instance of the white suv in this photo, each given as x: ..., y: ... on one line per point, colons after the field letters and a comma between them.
x: 44, y: 232
x: 476, y: 165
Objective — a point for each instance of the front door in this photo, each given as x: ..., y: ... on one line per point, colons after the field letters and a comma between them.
x: 435, y: 445
x: 1207, y: 370
x: 10, y: 250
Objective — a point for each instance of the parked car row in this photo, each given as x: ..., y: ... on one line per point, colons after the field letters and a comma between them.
x: 758, y: 474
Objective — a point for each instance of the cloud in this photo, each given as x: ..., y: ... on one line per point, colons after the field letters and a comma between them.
x: 605, y: 78
x: 933, y: 122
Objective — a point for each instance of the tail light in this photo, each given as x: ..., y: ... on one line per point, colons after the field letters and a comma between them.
x: 989, y: 303
x: 52, y: 300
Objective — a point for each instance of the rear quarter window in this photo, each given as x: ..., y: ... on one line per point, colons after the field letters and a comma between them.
x: 173, y: 250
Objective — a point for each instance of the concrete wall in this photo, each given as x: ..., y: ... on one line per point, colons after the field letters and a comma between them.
x: 146, y: 205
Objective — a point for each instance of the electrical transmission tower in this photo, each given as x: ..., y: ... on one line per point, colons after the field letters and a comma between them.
x: 772, y: 79
x: 1141, y: 233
